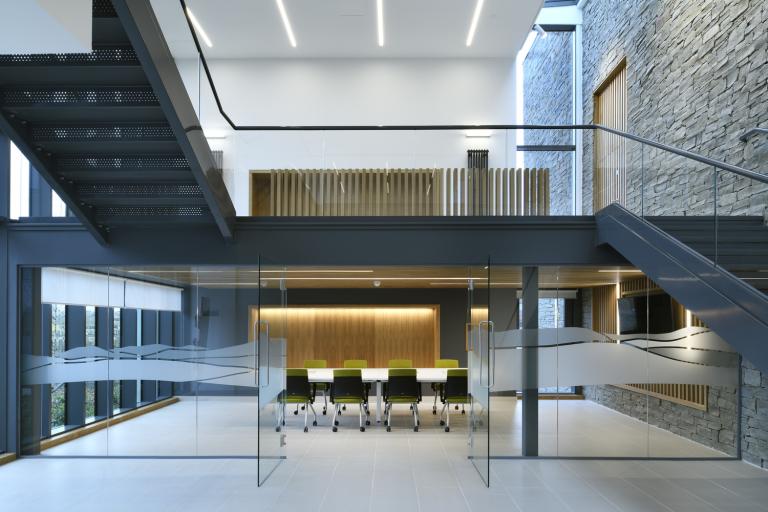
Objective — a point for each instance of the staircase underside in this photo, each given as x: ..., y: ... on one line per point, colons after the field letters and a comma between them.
x: 113, y: 131
x: 675, y: 258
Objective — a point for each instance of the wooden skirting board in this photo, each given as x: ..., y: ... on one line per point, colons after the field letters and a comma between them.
x: 5, y: 458
x: 45, y: 444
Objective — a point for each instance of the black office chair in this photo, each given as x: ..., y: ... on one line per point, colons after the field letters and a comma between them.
x: 402, y: 388
x: 456, y: 392
x: 348, y: 388
x: 298, y: 391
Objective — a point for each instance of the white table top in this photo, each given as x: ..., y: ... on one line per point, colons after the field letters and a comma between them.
x: 380, y: 374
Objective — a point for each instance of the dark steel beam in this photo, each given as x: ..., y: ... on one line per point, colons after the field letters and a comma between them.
x: 140, y: 24
x: 45, y: 165
x: 333, y: 241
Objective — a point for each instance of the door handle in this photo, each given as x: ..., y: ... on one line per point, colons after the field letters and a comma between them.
x: 490, y: 329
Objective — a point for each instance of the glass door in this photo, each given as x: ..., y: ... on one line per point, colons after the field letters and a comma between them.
x: 479, y: 340
x: 270, y: 335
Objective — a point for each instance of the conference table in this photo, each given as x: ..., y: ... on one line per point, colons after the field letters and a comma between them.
x: 379, y: 376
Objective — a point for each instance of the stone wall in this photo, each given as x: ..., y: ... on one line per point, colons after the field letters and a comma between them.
x: 716, y: 427
x: 696, y: 78
x: 754, y: 416
x: 548, y: 99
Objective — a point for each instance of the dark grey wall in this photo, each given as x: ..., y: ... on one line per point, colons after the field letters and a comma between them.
x: 5, y: 374
x: 224, y: 319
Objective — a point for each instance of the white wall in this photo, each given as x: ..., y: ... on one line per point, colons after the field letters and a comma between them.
x: 353, y: 92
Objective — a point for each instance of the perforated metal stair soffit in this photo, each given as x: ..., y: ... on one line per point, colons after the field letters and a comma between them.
x: 75, y: 95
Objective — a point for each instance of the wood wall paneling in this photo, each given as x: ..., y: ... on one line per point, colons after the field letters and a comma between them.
x: 409, y: 192
x: 376, y: 334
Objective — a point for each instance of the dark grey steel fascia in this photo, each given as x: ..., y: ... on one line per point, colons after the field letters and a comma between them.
x: 45, y: 166
x: 730, y: 307
x: 313, y: 241
x: 139, y: 22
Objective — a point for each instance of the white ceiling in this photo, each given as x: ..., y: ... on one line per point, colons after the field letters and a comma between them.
x: 347, y: 28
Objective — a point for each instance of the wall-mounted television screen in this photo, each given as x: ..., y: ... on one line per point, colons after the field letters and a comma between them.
x: 646, y: 314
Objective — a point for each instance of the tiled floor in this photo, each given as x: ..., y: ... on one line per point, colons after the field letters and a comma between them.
x: 398, y: 471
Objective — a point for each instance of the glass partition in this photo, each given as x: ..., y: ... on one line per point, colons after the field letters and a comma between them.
x: 480, y: 368
x: 270, y: 332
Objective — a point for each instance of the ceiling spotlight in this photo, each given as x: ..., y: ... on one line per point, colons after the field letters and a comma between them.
x: 380, y: 20
x: 199, y: 28
x: 475, y: 19
x: 286, y: 23
x: 377, y: 283
x: 540, y: 31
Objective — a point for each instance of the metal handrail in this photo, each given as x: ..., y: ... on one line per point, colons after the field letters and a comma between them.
x: 763, y: 178
x: 753, y: 131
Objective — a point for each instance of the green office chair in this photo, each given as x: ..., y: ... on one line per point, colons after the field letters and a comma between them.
x: 347, y: 389
x: 402, y: 388
x: 298, y: 391
x: 438, y: 387
x: 456, y: 392
x: 360, y: 364
x: 400, y: 363
x: 318, y: 386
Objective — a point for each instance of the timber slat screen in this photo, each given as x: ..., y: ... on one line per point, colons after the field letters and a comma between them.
x: 605, y: 320
x: 406, y: 192
x: 610, y: 151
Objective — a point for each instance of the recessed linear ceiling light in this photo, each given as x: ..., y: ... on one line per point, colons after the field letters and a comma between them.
x: 475, y: 19
x: 380, y: 20
x: 620, y: 271
x: 199, y: 28
x: 286, y: 23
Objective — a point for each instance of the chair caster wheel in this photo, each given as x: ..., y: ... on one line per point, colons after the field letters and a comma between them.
x: 306, y: 429
x: 442, y: 423
x: 324, y: 412
x: 362, y: 429
x: 368, y: 422
x: 415, y: 429
x: 277, y: 429
x: 434, y: 412
x: 456, y: 407
x: 463, y: 412
x: 447, y: 429
x: 336, y: 423
x: 314, y: 423
x: 389, y: 429
x: 335, y: 429
x: 344, y: 408
x: 295, y: 413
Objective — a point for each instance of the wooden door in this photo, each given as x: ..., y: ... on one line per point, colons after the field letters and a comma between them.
x: 610, y: 157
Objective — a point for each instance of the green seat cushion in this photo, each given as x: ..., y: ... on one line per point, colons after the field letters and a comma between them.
x: 296, y: 399
x: 296, y: 372
x: 457, y: 373
x: 402, y: 372
x: 457, y: 399
x: 402, y: 399
x: 447, y: 363
x: 349, y: 372
x: 348, y: 400
x: 315, y: 363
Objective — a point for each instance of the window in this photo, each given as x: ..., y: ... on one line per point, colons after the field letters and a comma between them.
x: 19, y: 186
x: 58, y: 391
x: 90, y: 341
x: 58, y: 208
x: 116, y: 333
